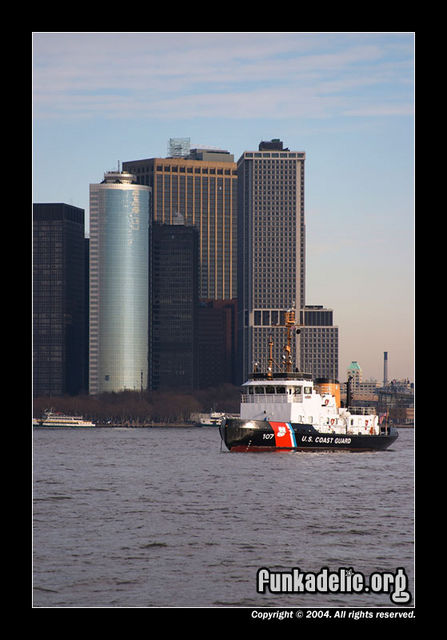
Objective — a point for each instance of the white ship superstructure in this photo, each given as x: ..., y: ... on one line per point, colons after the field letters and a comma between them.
x: 298, y: 401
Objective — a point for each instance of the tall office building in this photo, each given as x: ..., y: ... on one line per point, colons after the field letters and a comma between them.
x: 59, y: 309
x: 318, y: 342
x: 202, y: 188
x: 174, y: 307
x: 119, y: 284
x: 271, y: 250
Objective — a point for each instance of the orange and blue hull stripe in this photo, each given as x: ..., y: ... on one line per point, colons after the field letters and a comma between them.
x: 284, y: 434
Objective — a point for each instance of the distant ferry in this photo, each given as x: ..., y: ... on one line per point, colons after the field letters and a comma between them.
x: 289, y: 412
x: 212, y: 420
x: 59, y: 420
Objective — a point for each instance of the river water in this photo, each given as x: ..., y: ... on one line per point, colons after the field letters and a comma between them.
x: 167, y: 517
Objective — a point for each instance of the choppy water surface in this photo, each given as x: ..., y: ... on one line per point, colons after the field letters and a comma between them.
x: 163, y: 517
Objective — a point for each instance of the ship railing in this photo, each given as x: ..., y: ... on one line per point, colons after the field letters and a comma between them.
x: 270, y: 398
x: 362, y: 411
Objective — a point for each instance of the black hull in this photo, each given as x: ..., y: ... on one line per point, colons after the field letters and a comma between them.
x: 255, y: 435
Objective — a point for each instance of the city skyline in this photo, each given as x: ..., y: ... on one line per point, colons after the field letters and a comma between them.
x: 345, y: 99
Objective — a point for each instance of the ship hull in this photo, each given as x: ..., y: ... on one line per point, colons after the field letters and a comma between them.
x: 64, y: 426
x: 259, y: 436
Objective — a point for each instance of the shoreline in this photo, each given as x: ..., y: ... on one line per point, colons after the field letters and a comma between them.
x: 155, y: 425
x: 152, y: 425
x: 164, y: 425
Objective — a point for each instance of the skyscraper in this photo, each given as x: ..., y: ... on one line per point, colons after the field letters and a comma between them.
x: 119, y: 283
x: 174, y: 285
x: 59, y: 322
x: 202, y: 189
x: 271, y: 250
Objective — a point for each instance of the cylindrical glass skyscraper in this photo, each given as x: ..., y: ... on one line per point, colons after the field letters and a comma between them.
x: 119, y: 284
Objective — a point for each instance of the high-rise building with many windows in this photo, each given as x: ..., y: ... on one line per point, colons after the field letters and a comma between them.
x: 202, y: 189
x: 318, y: 342
x: 271, y: 250
x: 59, y: 300
x: 174, y: 285
x: 199, y: 186
x: 119, y: 284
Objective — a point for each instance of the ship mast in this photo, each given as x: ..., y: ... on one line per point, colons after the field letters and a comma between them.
x: 270, y: 364
x: 289, y: 323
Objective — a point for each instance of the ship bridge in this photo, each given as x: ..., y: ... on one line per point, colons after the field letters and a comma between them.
x: 277, y: 388
x: 282, y: 396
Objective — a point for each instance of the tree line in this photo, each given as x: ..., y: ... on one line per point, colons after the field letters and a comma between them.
x: 139, y: 408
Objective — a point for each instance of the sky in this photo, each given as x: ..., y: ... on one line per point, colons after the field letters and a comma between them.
x: 344, y: 98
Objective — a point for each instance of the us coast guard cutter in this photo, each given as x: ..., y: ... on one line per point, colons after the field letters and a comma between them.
x: 290, y: 412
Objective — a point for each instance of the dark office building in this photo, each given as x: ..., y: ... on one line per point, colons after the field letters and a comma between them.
x: 217, y: 342
x: 59, y: 300
x: 173, y: 364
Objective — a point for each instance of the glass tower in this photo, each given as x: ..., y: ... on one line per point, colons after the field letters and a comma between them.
x: 119, y: 284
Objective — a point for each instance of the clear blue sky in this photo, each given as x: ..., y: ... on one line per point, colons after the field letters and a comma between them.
x: 346, y: 99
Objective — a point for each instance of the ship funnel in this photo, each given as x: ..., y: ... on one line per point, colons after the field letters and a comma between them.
x: 329, y: 385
